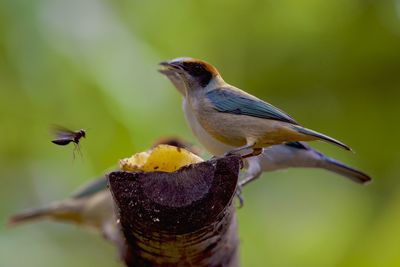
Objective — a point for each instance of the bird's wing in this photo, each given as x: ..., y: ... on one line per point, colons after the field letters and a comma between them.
x: 299, y: 145
x: 229, y: 101
x: 91, y: 188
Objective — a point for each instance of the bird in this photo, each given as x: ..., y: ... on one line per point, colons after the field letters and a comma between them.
x: 299, y: 155
x: 233, y: 116
x: 91, y: 206
x: 273, y: 158
x: 178, y: 142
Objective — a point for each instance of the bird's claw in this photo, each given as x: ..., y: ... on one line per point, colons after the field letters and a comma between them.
x: 230, y: 153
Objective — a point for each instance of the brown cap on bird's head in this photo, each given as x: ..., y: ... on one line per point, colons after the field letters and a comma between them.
x: 200, y: 70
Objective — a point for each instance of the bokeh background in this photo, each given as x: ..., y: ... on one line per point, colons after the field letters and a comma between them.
x: 334, y: 65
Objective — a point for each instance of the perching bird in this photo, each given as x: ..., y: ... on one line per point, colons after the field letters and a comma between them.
x: 233, y: 116
x: 296, y: 154
x: 92, y: 207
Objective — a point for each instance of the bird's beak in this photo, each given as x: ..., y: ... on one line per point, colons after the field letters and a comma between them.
x: 166, y: 72
x: 170, y: 68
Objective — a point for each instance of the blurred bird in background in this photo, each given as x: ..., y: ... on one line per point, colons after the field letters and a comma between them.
x: 233, y: 116
x: 91, y: 206
x: 276, y: 157
x: 178, y: 142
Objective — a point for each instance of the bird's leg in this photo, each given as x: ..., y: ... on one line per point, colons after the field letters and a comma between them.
x: 238, y: 149
x: 256, y: 151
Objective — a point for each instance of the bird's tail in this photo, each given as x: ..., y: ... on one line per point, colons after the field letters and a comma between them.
x: 55, y: 211
x: 320, y: 136
x: 344, y: 170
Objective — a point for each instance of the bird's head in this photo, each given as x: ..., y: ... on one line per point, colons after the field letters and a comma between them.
x: 177, y: 142
x: 195, y: 73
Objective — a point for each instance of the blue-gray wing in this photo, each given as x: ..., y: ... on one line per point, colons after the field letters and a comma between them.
x: 298, y: 145
x: 229, y: 101
x: 91, y: 188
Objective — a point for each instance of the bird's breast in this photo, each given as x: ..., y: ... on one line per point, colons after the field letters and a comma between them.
x: 210, y: 143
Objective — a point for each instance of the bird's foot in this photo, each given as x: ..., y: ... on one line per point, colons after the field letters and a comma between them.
x: 237, y: 150
x: 255, y: 152
x: 231, y: 153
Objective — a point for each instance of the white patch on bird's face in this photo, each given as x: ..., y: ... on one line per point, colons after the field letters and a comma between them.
x: 180, y: 59
x: 177, y: 81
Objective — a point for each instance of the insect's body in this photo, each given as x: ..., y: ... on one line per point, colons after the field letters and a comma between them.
x: 62, y: 142
x: 65, y: 136
x: 81, y: 133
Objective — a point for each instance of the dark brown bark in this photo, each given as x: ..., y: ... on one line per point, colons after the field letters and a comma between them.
x: 184, y: 218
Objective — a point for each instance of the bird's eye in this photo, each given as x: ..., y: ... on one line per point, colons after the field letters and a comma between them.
x: 197, y: 70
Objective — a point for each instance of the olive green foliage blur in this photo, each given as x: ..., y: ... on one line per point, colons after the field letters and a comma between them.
x: 334, y: 65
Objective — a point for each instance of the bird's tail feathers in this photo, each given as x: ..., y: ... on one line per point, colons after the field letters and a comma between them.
x: 54, y: 211
x: 344, y: 170
x: 320, y: 136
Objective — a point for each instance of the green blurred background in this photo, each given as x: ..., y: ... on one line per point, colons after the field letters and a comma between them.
x: 334, y: 65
